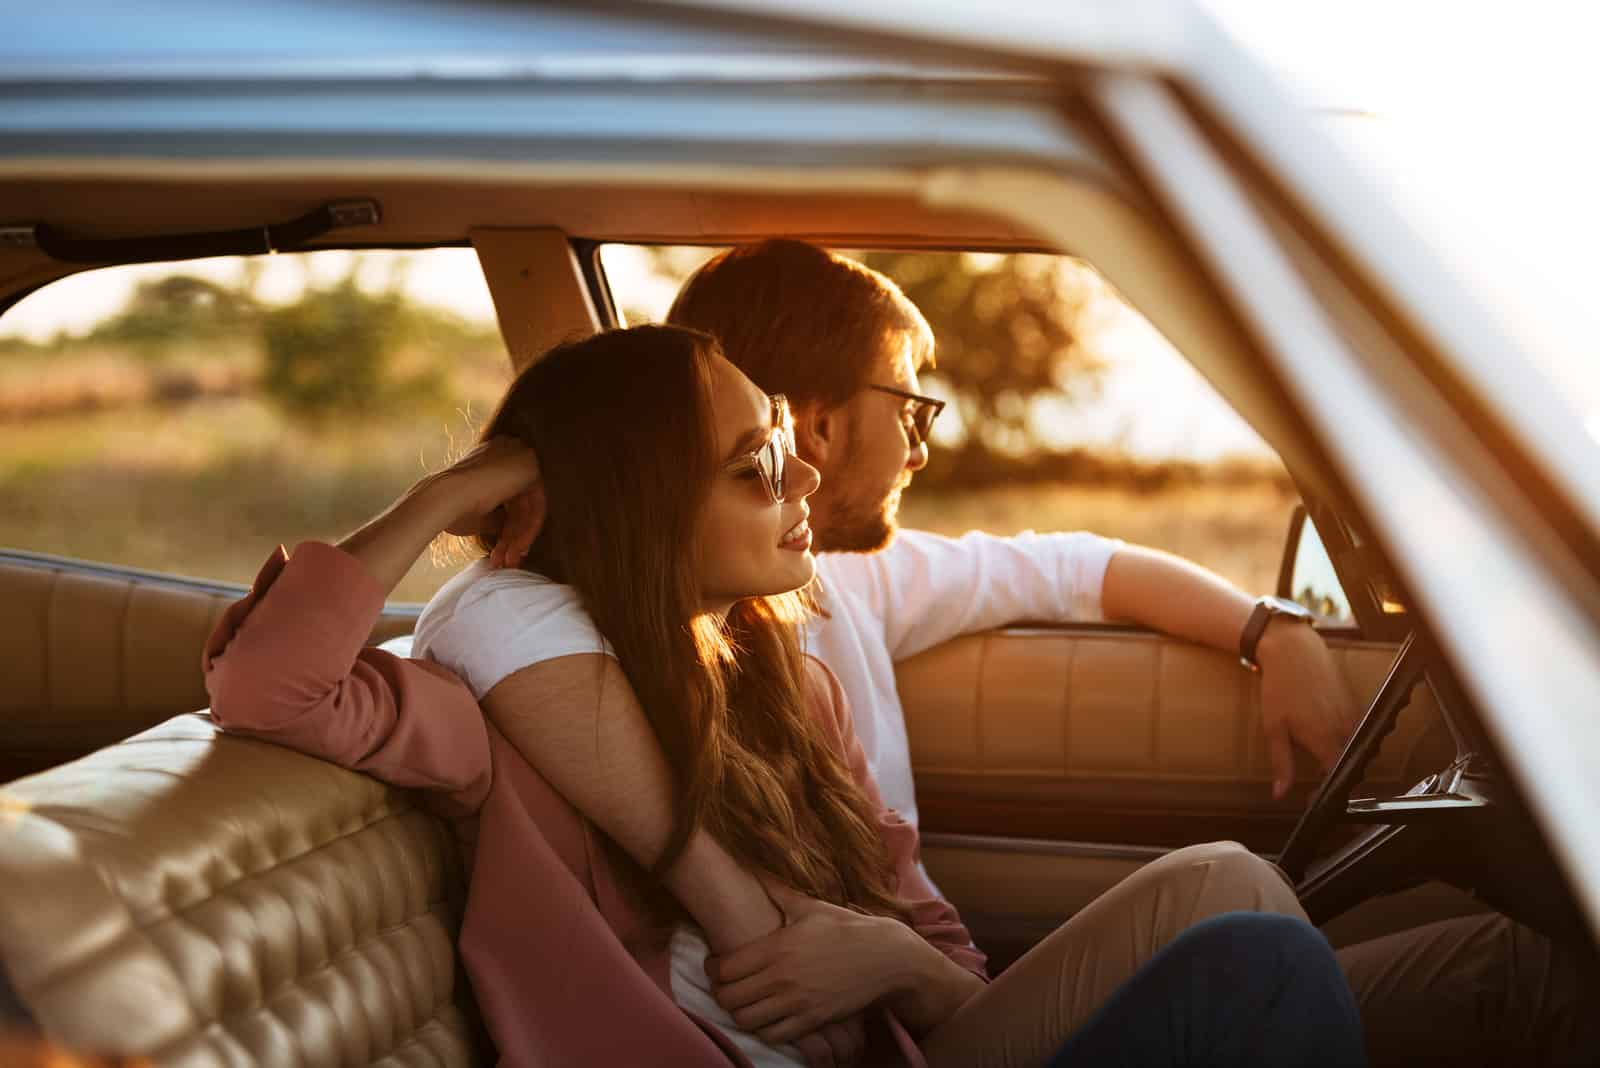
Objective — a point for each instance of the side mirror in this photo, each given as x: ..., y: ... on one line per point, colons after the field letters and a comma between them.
x: 1306, y: 574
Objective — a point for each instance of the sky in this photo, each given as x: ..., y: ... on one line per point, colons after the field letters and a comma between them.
x: 1477, y: 116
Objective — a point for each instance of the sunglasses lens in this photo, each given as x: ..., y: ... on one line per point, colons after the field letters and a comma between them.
x: 772, y: 464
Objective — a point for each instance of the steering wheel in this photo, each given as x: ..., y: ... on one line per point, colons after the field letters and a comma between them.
x: 1405, y: 848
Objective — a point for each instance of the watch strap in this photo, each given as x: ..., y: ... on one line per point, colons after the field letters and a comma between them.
x: 1262, y: 614
x: 1254, y: 628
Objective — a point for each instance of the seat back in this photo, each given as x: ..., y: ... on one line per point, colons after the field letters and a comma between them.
x: 201, y: 899
x: 91, y: 653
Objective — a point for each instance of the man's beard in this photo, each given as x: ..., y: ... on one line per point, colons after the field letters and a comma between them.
x: 861, y: 526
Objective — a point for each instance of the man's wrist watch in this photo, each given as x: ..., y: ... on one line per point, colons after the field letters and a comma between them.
x: 1262, y: 614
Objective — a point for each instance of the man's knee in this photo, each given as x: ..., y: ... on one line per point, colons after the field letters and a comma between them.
x: 1230, y: 860
x: 1225, y: 876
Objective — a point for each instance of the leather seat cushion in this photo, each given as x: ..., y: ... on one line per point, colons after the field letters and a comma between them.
x: 201, y: 899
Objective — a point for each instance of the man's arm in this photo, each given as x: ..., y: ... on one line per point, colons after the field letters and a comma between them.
x: 577, y: 721
x: 1303, y: 696
x: 927, y: 589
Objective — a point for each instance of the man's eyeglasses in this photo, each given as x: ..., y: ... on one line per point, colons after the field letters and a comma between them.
x: 923, y: 413
x: 770, y: 459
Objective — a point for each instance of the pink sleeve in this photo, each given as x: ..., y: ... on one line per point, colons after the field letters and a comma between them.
x: 288, y: 664
x: 934, y: 918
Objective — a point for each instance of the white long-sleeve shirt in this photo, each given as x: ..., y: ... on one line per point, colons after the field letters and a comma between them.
x: 925, y: 589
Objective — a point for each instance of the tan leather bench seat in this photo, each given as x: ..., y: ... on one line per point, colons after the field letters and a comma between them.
x: 206, y: 900
x: 90, y: 654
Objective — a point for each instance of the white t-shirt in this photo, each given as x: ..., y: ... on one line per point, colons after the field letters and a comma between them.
x: 487, y: 624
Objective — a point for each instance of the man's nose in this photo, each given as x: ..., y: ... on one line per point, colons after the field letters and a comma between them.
x: 917, y: 458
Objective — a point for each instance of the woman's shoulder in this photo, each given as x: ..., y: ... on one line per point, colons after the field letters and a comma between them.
x: 486, y: 623
x: 479, y: 591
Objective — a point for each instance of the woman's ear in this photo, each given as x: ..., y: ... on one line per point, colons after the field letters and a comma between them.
x: 819, y: 432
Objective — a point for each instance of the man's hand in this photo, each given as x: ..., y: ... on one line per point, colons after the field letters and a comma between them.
x: 825, y: 965
x: 495, y: 490
x: 1303, y: 699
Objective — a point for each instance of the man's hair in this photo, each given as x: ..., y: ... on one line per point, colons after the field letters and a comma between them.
x: 800, y: 320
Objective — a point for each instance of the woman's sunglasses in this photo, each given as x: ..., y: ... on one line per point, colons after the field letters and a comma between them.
x: 923, y: 412
x: 770, y: 459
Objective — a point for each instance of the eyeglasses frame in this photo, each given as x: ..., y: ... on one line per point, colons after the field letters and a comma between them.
x: 775, y: 481
x: 934, y: 404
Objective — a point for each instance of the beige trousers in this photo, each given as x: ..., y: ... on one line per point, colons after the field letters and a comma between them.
x: 1479, y: 990
x: 1026, y: 1014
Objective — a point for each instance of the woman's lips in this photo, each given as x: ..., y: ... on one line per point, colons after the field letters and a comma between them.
x: 797, y: 537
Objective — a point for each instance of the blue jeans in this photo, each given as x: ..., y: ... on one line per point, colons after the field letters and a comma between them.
x: 1242, y: 988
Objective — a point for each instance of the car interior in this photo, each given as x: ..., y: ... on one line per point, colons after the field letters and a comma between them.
x: 210, y: 899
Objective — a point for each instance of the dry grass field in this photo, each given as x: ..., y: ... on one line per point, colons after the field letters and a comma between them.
x: 183, y: 466
x: 1236, y: 530
x: 207, y: 487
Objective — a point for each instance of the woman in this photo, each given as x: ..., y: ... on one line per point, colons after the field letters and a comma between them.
x: 677, y: 523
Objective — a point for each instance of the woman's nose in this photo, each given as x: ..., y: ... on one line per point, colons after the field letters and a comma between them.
x: 917, y: 458
x: 804, y: 479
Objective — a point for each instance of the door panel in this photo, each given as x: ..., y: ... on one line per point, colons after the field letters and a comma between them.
x: 1113, y: 735
x: 1051, y: 763
x: 90, y: 654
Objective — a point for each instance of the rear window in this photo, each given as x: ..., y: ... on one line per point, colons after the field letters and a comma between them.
x: 188, y: 417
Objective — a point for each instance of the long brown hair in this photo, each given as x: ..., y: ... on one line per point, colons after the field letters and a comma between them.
x: 622, y: 424
x: 800, y: 320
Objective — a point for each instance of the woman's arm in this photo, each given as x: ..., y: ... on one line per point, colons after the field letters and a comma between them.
x: 494, y: 486
x: 288, y: 662
x: 577, y: 721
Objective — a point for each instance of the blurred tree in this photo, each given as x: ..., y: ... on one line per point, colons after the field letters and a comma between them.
x: 162, y: 312
x: 1009, y: 328
x: 327, y: 351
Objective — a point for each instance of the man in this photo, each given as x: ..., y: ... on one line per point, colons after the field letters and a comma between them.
x: 845, y: 346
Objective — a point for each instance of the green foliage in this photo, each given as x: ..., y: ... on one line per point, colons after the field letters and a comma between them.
x: 332, y: 352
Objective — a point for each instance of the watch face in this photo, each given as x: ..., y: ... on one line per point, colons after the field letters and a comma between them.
x: 1286, y: 607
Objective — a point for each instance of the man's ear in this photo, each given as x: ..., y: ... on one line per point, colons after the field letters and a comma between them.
x: 819, y: 432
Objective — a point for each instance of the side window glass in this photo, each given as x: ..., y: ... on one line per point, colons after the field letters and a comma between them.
x: 1313, y: 582
x: 1065, y: 410
x: 187, y: 417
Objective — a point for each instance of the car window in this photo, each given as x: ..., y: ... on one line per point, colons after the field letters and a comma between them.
x: 188, y: 417
x: 1067, y: 410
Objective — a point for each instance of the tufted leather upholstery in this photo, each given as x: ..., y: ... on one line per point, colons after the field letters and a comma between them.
x: 91, y: 654
x: 203, y: 900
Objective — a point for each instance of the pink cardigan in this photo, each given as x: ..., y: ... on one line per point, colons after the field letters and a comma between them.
x: 566, y: 963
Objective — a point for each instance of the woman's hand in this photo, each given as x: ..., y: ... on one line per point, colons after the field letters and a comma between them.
x: 838, y: 1045
x: 826, y: 964
x: 494, y: 490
